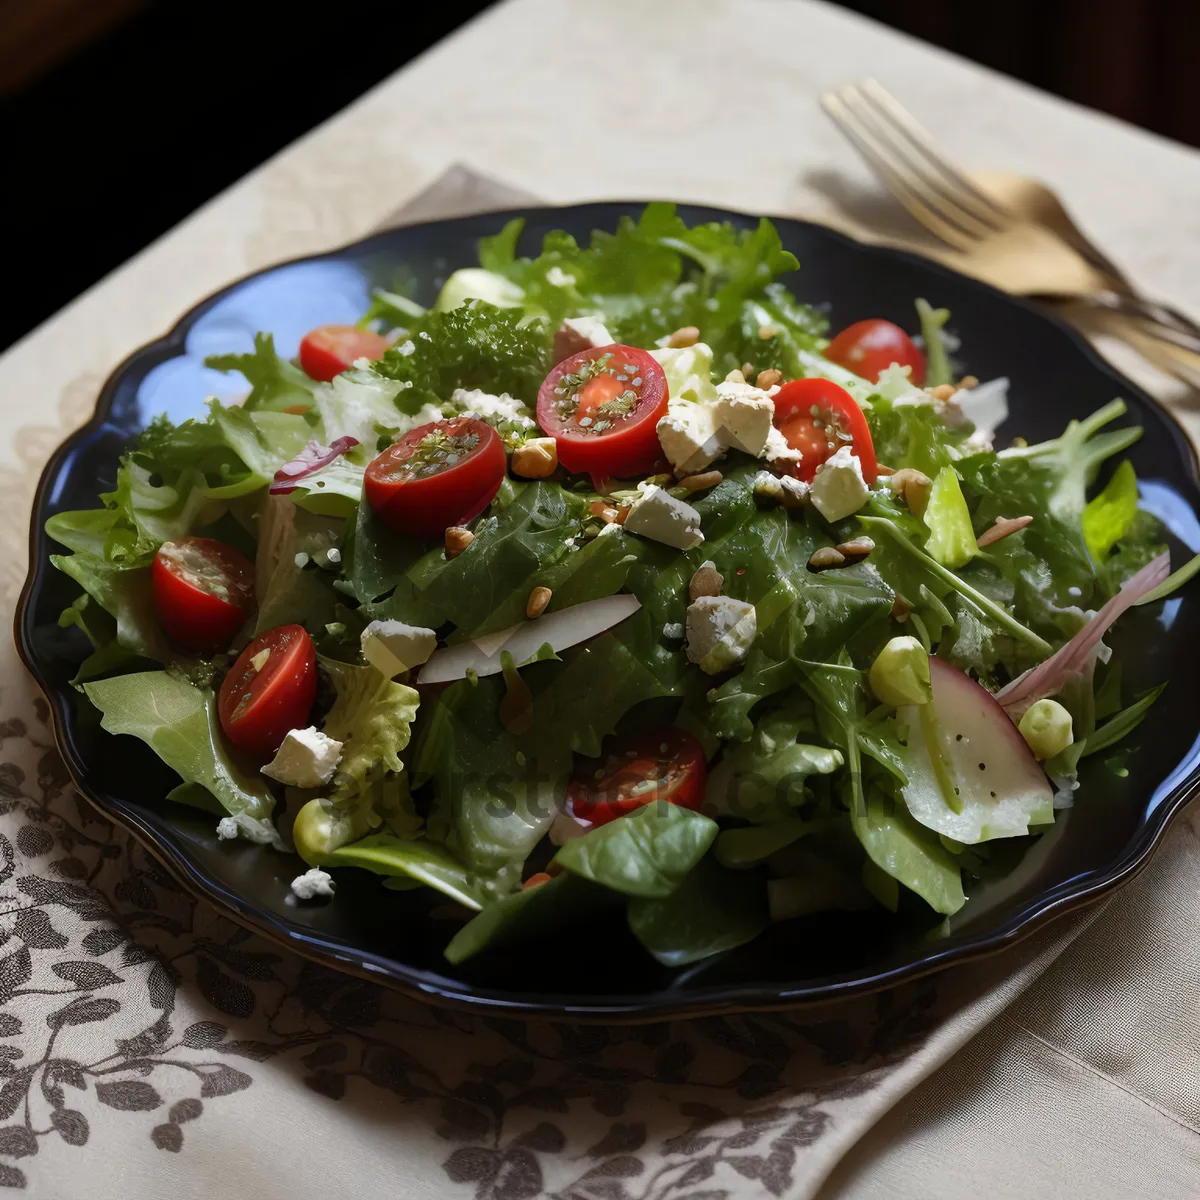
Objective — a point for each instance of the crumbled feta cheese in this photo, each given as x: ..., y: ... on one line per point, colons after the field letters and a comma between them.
x: 794, y: 489
x: 393, y: 646
x: 302, y: 560
x: 743, y: 416
x: 838, y: 490
x: 611, y: 527
x: 306, y: 759
x: 895, y: 385
x: 720, y: 630
x: 673, y: 631
x: 577, y: 334
x: 253, y: 829
x: 658, y: 515
x: 689, y: 437
x: 313, y: 883
x: 777, y: 449
x: 485, y: 405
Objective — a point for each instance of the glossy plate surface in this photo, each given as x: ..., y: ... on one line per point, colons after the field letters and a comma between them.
x: 387, y: 935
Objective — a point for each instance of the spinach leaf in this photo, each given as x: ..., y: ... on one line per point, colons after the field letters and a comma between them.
x: 646, y: 853
x: 532, y: 914
x: 712, y: 911
x: 902, y: 849
x: 409, y: 858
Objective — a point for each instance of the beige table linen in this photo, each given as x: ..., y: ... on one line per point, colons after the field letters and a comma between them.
x: 152, y: 1049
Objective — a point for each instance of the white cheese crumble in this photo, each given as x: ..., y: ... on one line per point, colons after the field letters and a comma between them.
x: 661, y: 517
x: 838, y: 489
x: 720, y: 630
x: 306, y: 759
x: 673, y: 631
x: 313, y: 883
x: 743, y: 416
x: 476, y: 402
x: 557, y: 277
x: 392, y: 646
x: 258, y: 830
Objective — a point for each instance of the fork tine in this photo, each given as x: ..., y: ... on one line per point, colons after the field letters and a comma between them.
x: 965, y: 190
x: 896, y: 181
x: 922, y: 179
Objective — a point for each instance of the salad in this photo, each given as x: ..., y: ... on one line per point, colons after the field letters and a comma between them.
x: 610, y: 579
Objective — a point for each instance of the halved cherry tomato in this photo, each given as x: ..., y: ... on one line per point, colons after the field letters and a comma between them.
x: 435, y: 476
x: 655, y: 764
x: 269, y: 690
x: 329, y: 350
x: 868, y: 348
x: 203, y: 591
x: 816, y: 416
x: 602, y: 407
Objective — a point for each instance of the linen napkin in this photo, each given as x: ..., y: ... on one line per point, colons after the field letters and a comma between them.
x: 150, y: 1047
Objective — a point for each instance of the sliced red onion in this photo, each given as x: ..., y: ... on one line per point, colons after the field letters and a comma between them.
x: 312, y: 458
x: 1078, y: 656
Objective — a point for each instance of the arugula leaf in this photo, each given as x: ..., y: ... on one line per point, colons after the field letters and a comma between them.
x: 178, y: 721
x: 1173, y: 582
x: 1108, y: 517
x: 937, y: 364
x: 713, y: 910
x: 647, y: 853
x: 275, y: 384
x: 1128, y: 719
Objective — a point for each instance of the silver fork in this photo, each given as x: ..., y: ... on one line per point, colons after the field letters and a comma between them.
x: 943, y: 197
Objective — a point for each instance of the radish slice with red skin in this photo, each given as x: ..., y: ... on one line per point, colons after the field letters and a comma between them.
x: 970, y: 774
x: 1077, y: 657
x: 312, y: 458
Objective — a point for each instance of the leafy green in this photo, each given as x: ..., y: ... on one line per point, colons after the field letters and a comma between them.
x: 747, y: 846
x: 409, y: 858
x: 713, y: 910
x: 1123, y: 723
x: 951, y: 539
x: 275, y: 384
x: 528, y: 915
x: 1108, y: 517
x: 178, y: 721
x: 372, y: 717
x: 913, y: 435
x: 646, y: 853
x: 937, y: 364
x: 909, y: 854
x: 473, y: 346
x: 654, y: 275
x: 1173, y: 582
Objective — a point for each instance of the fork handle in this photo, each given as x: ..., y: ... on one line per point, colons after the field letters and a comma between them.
x: 1172, y: 324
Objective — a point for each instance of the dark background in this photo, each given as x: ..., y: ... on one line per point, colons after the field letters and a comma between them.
x: 119, y: 117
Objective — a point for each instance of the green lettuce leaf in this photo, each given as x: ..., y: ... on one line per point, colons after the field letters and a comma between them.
x: 275, y: 384
x: 937, y: 363
x: 178, y: 721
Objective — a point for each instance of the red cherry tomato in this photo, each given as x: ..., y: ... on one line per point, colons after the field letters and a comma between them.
x: 269, y: 690
x: 655, y: 764
x: 203, y: 591
x: 602, y: 407
x: 868, y: 348
x: 816, y: 416
x: 329, y: 350
x: 435, y: 476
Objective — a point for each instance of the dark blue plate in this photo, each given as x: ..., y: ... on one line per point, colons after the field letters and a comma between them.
x: 390, y: 936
